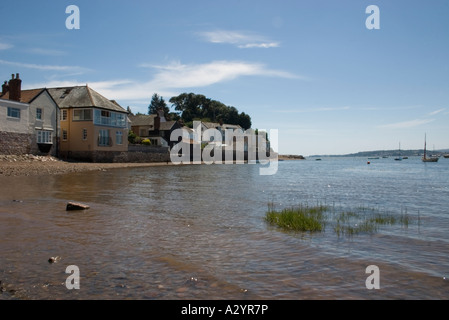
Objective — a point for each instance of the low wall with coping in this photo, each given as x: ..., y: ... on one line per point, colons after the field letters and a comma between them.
x: 141, y: 154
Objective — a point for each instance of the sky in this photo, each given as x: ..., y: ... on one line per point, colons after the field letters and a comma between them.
x: 312, y: 70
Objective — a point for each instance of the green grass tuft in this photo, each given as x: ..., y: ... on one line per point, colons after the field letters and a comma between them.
x: 349, y: 223
x: 302, y: 218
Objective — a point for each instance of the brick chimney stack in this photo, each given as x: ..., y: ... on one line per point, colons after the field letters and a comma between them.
x: 15, y: 88
x: 5, y: 88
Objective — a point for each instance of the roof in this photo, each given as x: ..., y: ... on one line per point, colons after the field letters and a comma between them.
x: 210, y: 125
x: 167, y: 125
x: 26, y: 96
x: 82, y: 97
x: 142, y: 119
x: 213, y: 125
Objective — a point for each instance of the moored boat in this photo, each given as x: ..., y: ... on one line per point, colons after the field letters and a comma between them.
x: 424, y: 158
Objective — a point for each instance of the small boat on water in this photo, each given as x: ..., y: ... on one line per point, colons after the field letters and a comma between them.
x: 446, y: 156
x: 399, y: 158
x: 430, y: 159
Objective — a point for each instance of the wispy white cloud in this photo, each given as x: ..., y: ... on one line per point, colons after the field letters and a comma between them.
x: 177, y: 75
x: 437, y: 111
x: 171, y: 79
x: 407, y: 124
x: 238, y: 38
x: 5, y: 46
x: 41, y: 67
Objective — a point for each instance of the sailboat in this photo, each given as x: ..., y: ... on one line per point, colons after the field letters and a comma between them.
x: 399, y: 158
x: 424, y: 158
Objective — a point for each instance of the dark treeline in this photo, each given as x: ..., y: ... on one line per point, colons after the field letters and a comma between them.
x: 190, y: 107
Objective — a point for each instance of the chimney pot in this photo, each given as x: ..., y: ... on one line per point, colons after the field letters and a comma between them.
x: 12, y: 76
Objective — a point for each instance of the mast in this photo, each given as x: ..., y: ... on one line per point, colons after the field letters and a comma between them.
x: 425, y: 146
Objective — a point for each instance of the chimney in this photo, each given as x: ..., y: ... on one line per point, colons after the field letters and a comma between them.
x: 15, y: 88
x: 161, y: 114
x: 157, y: 123
x: 5, y: 88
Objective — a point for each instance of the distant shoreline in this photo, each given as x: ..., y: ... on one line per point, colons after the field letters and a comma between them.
x: 290, y: 157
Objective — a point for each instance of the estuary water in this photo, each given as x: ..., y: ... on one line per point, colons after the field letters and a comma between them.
x: 199, y: 232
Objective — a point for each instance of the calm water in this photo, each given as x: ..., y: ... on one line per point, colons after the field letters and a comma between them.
x: 198, y: 232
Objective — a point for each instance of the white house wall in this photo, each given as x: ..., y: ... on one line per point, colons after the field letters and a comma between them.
x: 14, y: 125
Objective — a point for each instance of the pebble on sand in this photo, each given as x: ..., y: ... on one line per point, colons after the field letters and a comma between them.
x: 76, y: 206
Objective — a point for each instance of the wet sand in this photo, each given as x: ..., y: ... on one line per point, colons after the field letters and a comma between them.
x: 27, y: 165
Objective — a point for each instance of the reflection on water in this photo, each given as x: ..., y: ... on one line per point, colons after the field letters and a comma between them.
x: 198, y: 232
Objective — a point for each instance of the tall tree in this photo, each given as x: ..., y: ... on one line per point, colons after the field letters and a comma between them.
x: 158, y: 103
x: 198, y: 107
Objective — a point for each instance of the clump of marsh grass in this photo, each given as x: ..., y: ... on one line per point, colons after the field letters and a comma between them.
x: 301, y: 218
x: 349, y: 223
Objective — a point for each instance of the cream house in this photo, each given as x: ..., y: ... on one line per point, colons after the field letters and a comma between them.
x: 92, y: 128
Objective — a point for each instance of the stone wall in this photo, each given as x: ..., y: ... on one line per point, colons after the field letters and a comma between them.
x: 23, y: 143
x: 148, y: 154
x: 15, y: 143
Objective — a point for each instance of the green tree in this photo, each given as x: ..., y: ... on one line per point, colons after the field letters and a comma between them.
x: 193, y: 106
x: 244, y: 121
x: 158, y: 103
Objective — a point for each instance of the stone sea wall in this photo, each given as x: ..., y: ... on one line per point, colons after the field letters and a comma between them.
x: 15, y: 143
x: 136, y: 155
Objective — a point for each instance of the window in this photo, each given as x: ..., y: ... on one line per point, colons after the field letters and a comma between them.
x: 119, y: 137
x: 103, y: 138
x: 82, y: 115
x: 63, y: 115
x: 13, y: 113
x: 64, y: 135
x: 84, y: 134
x: 44, y: 137
x: 109, y: 118
x: 38, y: 114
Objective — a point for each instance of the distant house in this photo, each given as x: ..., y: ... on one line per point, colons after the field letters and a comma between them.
x: 142, y: 124
x: 154, y: 127
x: 93, y: 128
x: 224, y: 129
x: 32, y: 115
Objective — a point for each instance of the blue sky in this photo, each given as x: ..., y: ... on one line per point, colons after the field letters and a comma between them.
x: 310, y: 69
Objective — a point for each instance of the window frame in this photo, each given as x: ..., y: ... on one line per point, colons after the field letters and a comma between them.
x: 65, y: 135
x: 82, y: 114
x: 39, y: 114
x: 119, y: 138
x: 11, y: 111
x: 44, y: 137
